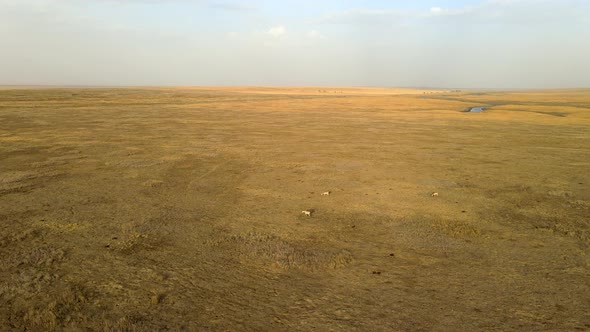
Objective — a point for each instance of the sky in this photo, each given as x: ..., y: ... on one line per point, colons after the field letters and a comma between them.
x: 395, y: 43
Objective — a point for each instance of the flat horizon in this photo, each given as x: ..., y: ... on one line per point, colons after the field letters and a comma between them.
x: 284, y: 87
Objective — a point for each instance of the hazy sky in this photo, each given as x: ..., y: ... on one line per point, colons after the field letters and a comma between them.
x: 421, y: 43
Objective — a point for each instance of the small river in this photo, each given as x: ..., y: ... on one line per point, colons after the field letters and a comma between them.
x: 477, y: 109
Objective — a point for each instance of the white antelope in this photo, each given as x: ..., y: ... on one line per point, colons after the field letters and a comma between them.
x: 326, y: 193
x: 306, y: 212
x: 434, y: 194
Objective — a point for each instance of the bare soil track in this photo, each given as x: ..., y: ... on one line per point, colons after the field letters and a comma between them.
x: 167, y: 209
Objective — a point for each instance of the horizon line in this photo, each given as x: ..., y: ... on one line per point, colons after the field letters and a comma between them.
x: 99, y: 86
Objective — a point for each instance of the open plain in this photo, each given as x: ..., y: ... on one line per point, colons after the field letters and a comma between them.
x: 167, y: 209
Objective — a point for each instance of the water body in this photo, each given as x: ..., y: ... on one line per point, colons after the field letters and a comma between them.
x: 477, y: 109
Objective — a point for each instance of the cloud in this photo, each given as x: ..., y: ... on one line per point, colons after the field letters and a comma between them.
x: 314, y: 34
x: 499, y: 12
x: 277, y: 31
x: 515, y: 12
x: 454, y: 12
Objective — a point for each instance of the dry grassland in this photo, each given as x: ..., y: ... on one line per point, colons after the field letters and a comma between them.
x: 166, y: 209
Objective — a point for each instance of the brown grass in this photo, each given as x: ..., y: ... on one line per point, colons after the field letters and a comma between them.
x: 288, y: 256
x: 153, y: 209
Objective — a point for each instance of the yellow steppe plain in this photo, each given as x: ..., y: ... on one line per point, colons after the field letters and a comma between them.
x: 155, y: 209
